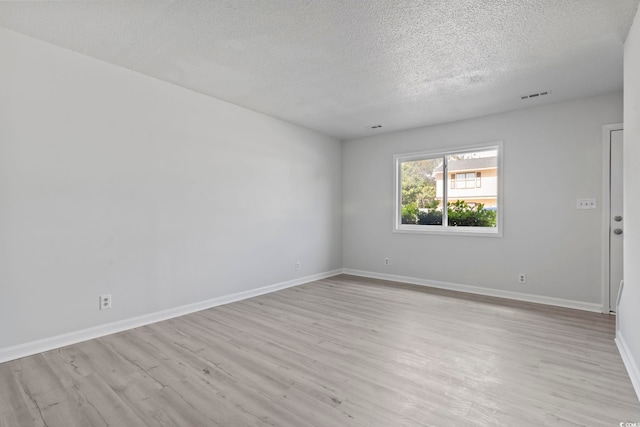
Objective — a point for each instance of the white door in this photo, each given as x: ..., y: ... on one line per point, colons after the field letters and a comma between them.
x: 616, y: 221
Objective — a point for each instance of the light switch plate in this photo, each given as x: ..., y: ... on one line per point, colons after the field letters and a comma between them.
x: 586, y: 204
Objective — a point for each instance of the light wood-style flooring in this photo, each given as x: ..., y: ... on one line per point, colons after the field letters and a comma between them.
x: 340, y: 351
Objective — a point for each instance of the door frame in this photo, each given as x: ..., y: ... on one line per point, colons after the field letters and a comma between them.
x: 606, y: 210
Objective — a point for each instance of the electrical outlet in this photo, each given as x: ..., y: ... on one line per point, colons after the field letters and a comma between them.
x: 298, y: 266
x: 105, y: 302
x: 522, y: 278
x: 386, y: 261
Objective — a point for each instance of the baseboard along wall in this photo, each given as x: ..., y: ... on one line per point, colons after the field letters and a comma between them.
x: 46, y: 344
x: 518, y: 296
x: 629, y: 363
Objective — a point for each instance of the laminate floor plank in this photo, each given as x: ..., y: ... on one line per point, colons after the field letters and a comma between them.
x: 358, y: 369
x: 339, y: 351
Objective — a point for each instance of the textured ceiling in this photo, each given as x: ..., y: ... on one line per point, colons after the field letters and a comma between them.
x: 340, y: 67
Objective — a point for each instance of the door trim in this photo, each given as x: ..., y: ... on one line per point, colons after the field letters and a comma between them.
x: 606, y: 210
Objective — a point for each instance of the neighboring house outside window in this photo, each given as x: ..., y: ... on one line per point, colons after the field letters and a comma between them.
x: 473, y: 180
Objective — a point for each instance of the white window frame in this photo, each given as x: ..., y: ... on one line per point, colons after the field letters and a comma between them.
x: 445, y: 229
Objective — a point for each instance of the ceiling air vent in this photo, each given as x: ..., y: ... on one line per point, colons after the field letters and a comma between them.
x: 535, y: 95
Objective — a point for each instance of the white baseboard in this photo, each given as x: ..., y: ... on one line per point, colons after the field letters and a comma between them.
x: 34, y: 347
x: 558, y: 302
x: 629, y: 363
x: 46, y: 344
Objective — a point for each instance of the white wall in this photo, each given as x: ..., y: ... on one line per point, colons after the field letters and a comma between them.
x: 629, y: 310
x: 113, y: 182
x: 552, y: 156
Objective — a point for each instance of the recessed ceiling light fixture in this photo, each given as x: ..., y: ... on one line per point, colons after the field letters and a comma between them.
x: 535, y: 95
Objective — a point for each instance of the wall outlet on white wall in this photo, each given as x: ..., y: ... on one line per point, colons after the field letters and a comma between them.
x: 105, y: 301
x: 298, y: 266
x: 386, y: 261
x: 522, y: 278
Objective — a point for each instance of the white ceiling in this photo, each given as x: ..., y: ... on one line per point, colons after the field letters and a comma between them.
x: 340, y: 67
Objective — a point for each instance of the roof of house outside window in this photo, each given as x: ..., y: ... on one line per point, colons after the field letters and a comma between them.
x: 470, y: 164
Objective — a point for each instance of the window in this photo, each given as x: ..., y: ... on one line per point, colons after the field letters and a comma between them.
x: 455, y: 191
x: 466, y: 180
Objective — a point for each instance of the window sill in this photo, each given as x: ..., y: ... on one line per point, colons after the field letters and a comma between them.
x: 448, y: 231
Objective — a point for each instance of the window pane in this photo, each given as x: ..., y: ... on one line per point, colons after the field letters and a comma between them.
x: 419, y: 192
x: 470, y: 203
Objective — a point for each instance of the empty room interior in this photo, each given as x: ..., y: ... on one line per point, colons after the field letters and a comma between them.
x: 296, y: 213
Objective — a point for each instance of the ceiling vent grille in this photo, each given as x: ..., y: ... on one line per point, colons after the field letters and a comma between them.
x: 535, y: 95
